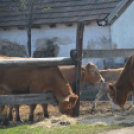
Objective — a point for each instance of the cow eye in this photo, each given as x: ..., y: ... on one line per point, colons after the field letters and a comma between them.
x: 92, y: 71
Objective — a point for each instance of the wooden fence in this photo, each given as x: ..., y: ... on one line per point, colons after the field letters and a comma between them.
x: 48, y: 97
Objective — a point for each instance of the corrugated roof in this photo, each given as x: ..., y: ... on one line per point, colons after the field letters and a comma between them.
x: 61, y: 11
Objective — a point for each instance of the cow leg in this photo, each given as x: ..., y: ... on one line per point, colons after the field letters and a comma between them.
x: 10, y: 115
x: 45, y: 106
x: 17, y: 113
x: 3, y: 118
x: 98, y: 96
x: 32, y: 107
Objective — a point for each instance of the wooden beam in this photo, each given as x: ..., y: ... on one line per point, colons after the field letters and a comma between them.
x: 35, y: 62
x: 117, y: 11
x: 21, y: 27
x: 27, y: 99
x: 86, y: 22
x: 52, y: 25
x: 36, y: 26
x: 79, y: 45
x: 91, y: 86
x: 106, y: 53
x: 69, y: 24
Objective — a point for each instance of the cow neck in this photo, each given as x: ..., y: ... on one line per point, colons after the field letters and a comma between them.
x: 61, y: 88
x: 125, y: 81
x: 67, y: 91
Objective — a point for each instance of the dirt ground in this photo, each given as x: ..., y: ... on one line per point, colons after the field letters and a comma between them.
x: 103, y: 107
x: 102, y: 114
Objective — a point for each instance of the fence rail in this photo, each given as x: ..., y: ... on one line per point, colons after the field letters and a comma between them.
x: 36, y: 62
x: 105, y: 53
x: 27, y: 99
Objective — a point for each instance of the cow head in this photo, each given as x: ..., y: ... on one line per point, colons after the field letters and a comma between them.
x: 90, y: 73
x: 67, y: 104
x: 116, y: 97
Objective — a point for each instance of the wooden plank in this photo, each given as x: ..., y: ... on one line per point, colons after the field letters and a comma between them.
x: 35, y: 62
x: 105, y: 53
x: 79, y: 45
x: 91, y: 86
x: 27, y: 99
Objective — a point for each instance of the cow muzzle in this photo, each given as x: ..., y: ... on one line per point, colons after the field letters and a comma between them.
x: 114, y: 106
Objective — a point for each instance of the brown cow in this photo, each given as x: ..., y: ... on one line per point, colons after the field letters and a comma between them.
x: 90, y: 73
x: 38, y: 80
x: 119, y: 91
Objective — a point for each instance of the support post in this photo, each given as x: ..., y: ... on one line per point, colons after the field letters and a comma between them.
x: 79, y: 45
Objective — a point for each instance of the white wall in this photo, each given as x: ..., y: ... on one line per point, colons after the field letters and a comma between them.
x: 62, y: 35
x: 95, y: 37
x: 122, y: 30
x: 14, y: 35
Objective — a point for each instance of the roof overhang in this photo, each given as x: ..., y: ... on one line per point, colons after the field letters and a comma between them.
x: 115, y: 14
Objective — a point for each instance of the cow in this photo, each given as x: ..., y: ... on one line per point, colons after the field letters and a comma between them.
x: 37, y: 80
x: 110, y: 75
x: 119, y: 91
x: 89, y: 73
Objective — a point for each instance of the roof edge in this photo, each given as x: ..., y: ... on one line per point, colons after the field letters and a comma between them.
x: 117, y: 11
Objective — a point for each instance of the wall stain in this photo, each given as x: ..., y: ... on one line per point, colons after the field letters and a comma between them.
x: 61, y: 41
x: 102, y: 43
x: 45, y: 48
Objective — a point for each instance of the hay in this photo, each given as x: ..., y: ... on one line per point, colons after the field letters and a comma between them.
x: 130, y: 111
x: 55, y: 122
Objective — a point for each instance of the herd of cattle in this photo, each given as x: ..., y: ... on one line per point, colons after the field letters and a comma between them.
x: 56, y: 80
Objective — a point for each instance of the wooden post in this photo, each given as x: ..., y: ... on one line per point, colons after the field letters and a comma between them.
x: 79, y: 45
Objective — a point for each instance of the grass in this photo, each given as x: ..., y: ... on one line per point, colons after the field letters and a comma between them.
x: 74, y: 129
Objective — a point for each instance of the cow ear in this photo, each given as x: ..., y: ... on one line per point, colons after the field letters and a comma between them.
x: 73, y: 98
x: 88, y: 66
x: 111, y: 86
x: 66, y: 99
